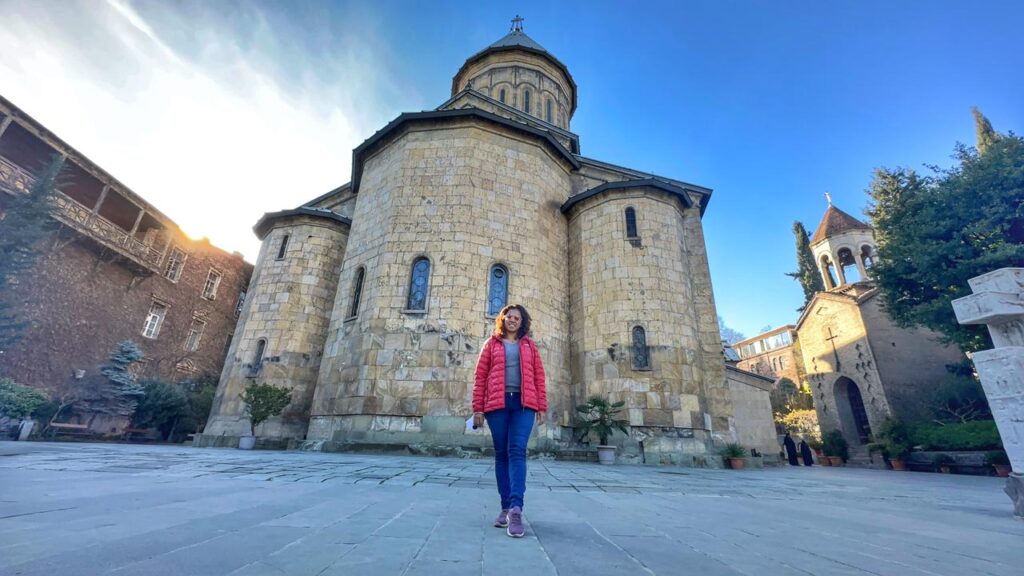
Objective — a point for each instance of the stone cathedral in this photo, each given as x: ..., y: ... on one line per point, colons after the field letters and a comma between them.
x: 371, y: 302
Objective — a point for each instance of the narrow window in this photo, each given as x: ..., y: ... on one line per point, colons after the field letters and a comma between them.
x: 419, y: 282
x: 866, y: 258
x: 548, y: 112
x: 357, y: 293
x: 631, y: 223
x: 257, y: 360
x: 155, y: 318
x: 283, y: 247
x: 240, y: 303
x: 501, y: 95
x: 526, y: 101
x: 641, y: 358
x: 195, y: 334
x: 175, y: 264
x: 212, y: 283
x: 497, y: 292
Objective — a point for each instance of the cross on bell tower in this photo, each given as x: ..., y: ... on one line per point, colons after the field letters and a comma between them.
x: 517, y: 23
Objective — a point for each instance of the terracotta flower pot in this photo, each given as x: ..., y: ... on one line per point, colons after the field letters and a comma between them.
x: 1002, y: 470
x: 898, y: 465
x: 737, y: 463
x: 835, y: 460
x: 823, y: 460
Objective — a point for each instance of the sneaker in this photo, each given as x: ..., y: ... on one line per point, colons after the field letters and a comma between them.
x: 502, y: 520
x: 515, y: 523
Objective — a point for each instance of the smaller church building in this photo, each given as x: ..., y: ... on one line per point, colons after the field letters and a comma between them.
x: 861, y: 367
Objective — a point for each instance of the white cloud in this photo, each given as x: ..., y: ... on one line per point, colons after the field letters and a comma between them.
x: 211, y: 134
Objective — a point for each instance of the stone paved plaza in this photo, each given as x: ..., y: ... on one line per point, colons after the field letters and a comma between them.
x: 81, y: 509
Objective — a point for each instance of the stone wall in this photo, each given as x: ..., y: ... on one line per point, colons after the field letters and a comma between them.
x: 752, y: 413
x: 288, y: 307
x: 656, y: 282
x: 465, y: 196
x: 516, y: 72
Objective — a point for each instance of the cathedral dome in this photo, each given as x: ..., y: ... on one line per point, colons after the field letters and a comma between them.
x: 519, y: 72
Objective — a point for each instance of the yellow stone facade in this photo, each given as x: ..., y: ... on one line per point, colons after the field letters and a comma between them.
x: 474, y: 184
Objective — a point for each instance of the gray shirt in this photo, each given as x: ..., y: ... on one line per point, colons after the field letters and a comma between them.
x: 513, y: 374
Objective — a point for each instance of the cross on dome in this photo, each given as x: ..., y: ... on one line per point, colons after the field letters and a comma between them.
x: 517, y: 23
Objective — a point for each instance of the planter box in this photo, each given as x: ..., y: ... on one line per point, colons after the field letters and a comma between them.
x: 972, y: 462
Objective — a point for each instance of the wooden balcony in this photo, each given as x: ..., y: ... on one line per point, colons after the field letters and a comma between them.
x: 82, y: 219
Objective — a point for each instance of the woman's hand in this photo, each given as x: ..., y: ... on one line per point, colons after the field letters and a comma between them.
x: 540, y: 417
x: 478, y: 420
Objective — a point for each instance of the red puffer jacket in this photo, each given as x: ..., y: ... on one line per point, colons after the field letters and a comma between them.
x: 489, y: 385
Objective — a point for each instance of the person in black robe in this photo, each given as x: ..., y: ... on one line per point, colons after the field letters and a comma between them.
x: 790, y: 450
x: 805, y: 453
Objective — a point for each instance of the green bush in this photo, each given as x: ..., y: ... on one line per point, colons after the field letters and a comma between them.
x: 734, y: 450
x: 892, y: 440
x: 997, y: 458
x: 263, y: 401
x: 162, y: 406
x: 835, y: 445
x: 17, y: 401
x: 977, y: 435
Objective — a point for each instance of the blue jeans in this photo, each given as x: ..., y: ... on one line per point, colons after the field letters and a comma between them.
x: 510, y: 430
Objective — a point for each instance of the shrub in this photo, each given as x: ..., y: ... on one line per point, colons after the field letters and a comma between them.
x: 805, y: 424
x: 977, y: 435
x: 264, y: 401
x: 18, y: 401
x: 598, y: 415
x: 162, y: 406
x: 892, y: 440
x: 734, y: 450
x: 835, y: 445
x: 997, y: 458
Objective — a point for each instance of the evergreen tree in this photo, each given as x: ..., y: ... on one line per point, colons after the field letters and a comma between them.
x: 806, y: 272
x: 934, y: 233
x: 121, y: 393
x: 26, y: 222
x: 985, y: 133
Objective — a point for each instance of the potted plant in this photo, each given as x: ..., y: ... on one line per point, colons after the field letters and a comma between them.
x: 598, y: 416
x: 944, y: 462
x: 999, y: 461
x: 893, y: 442
x: 19, y: 402
x: 735, y: 454
x: 262, y: 401
x: 835, y: 447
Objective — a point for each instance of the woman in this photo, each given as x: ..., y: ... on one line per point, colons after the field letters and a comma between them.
x: 509, y: 392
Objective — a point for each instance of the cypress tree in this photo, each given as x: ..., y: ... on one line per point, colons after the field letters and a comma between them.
x: 806, y: 272
x: 985, y: 133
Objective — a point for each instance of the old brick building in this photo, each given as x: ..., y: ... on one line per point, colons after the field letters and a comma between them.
x: 115, y: 269
x: 372, y: 301
x: 773, y: 354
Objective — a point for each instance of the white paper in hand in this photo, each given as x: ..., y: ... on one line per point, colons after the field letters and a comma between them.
x: 470, y: 429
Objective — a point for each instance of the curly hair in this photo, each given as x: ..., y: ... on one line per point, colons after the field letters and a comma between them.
x: 524, y: 326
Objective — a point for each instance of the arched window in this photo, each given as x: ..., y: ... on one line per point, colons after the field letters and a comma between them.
x: 257, y: 359
x: 357, y: 292
x: 827, y: 273
x: 631, y: 223
x: 526, y: 101
x: 547, y: 112
x: 850, y: 271
x: 419, y: 283
x: 867, y: 257
x: 501, y: 95
x: 641, y: 357
x: 497, y: 290
x: 283, y: 247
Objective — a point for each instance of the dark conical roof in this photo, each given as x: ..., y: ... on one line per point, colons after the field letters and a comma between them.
x: 517, y: 38
x: 834, y: 222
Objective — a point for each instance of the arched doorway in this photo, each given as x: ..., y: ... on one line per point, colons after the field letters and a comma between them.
x: 852, y: 415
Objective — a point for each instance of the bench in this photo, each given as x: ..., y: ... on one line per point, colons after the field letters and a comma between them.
x: 69, y: 429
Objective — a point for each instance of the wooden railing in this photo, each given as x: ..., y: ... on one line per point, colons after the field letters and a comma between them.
x: 81, y: 218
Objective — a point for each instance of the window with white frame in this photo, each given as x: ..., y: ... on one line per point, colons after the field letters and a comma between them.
x: 212, y: 283
x: 175, y: 264
x: 195, y: 334
x: 155, y: 319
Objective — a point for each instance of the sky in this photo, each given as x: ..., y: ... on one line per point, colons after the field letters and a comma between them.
x: 216, y: 112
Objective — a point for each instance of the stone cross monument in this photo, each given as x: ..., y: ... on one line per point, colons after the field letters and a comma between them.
x: 998, y: 302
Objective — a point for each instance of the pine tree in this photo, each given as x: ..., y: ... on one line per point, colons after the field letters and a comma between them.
x: 121, y: 393
x: 26, y: 222
x: 806, y: 272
